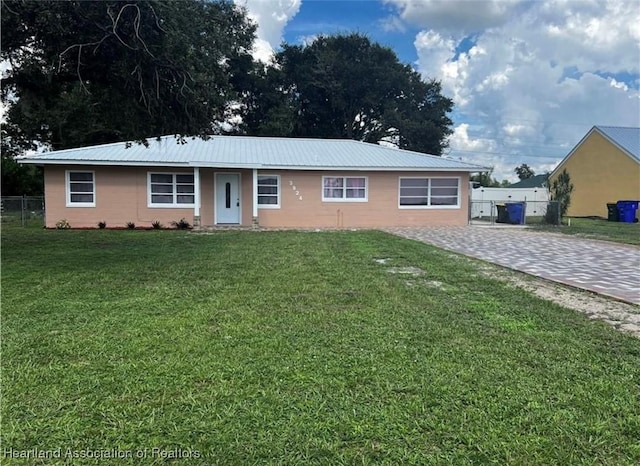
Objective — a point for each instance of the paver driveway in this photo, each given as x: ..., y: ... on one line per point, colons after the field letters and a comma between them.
x: 607, y: 268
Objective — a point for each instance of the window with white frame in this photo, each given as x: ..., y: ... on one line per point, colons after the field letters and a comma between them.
x: 344, y: 188
x: 429, y: 192
x: 81, y: 188
x: 269, y: 191
x: 171, y: 189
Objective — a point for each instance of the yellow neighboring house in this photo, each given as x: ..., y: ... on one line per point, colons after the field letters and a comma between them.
x: 604, y: 168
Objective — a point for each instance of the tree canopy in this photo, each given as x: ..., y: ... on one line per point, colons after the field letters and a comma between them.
x: 17, y: 179
x: 90, y: 72
x: 345, y: 86
x: 524, y: 172
x: 486, y: 180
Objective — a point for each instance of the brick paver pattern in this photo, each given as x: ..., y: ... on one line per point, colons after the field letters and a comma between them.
x: 602, y: 267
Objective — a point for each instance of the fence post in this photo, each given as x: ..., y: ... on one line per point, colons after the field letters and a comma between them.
x: 23, y: 206
x: 491, y: 205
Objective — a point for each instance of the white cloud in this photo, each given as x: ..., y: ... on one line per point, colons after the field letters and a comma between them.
x: 436, y: 53
x: 457, y: 15
x: 535, y: 82
x: 392, y: 24
x: 271, y: 16
x: 262, y: 50
x: 307, y: 40
x: 461, y: 141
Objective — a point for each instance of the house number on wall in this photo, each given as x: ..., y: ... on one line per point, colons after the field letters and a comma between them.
x: 293, y: 187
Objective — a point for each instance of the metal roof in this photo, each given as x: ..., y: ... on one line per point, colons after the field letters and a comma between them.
x: 627, y: 139
x: 253, y: 152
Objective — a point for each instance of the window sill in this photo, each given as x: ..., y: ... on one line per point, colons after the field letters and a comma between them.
x: 171, y: 206
x: 429, y: 207
x: 345, y: 200
x: 81, y: 204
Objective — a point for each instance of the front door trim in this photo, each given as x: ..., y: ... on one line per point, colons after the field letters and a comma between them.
x: 215, y: 198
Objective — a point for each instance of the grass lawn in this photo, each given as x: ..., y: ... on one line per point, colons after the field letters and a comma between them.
x: 599, y: 229
x: 297, y: 348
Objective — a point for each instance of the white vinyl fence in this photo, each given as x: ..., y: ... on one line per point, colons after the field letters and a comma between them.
x: 484, y: 200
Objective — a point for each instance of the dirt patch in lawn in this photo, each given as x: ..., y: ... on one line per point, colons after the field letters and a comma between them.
x: 415, y: 271
x: 625, y: 317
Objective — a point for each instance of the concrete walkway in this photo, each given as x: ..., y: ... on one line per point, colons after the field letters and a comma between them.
x: 602, y: 267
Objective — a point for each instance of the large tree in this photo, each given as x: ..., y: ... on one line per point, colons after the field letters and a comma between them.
x: 524, y: 172
x: 89, y: 72
x: 345, y: 86
x: 17, y: 180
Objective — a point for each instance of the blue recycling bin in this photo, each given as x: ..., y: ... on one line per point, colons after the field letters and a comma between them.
x: 516, y: 212
x: 627, y: 211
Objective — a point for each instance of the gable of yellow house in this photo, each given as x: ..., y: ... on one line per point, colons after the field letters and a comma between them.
x: 604, y: 167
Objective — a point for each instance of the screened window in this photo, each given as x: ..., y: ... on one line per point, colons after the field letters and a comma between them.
x: 269, y: 191
x: 171, y: 189
x: 81, y: 189
x: 344, y: 188
x: 429, y: 192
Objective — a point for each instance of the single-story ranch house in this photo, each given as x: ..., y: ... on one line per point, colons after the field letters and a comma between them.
x: 240, y: 180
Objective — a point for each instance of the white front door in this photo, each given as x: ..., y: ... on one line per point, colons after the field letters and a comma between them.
x: 227, y: 203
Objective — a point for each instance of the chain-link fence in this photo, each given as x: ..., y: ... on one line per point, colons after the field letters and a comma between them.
x: 514, y: 213
x: 22, y: 210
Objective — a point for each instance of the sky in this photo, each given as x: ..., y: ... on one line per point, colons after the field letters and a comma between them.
x: 528, y: 78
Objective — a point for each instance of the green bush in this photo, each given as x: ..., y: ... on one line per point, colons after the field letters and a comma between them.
x: 561, y: 190
x: 63, y: 224
x: 552, y: 216
x: 182, y: 224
